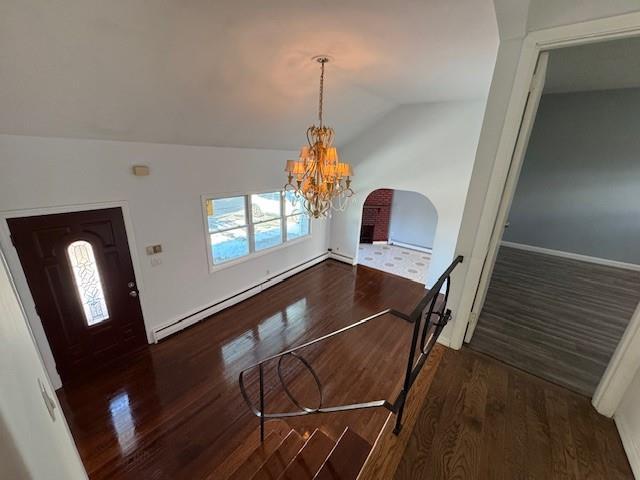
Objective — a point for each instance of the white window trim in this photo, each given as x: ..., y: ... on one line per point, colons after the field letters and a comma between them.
x: 215, y: 267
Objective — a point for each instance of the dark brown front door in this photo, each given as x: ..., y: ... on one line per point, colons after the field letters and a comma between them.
x: 80, y: 273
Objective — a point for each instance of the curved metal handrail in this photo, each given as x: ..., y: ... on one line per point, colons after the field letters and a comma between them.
x: 288, y: 392
x: 303, y: 410
x: 414, y: 366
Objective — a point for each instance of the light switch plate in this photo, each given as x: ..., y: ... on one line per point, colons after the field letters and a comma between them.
x: 153, y: 249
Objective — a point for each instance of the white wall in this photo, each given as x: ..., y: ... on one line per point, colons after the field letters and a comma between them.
x: 413, y: 219
x: 627, y: 419
x: 580, y: 170
x: 474, y: 229
x: 11, y: 463
x: 426, y: 148
x: 165, y: 208
x: 32, y: 444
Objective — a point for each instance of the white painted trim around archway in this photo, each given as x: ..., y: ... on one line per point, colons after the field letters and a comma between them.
x: 616, y: 378
x: 15, y: 267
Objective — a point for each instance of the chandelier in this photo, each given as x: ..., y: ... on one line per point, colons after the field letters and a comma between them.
x: 322, y: 181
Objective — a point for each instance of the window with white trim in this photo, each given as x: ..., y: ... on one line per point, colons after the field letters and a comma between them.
x: 266, y: 220
x: 243, y: 225
x: 296, y: 218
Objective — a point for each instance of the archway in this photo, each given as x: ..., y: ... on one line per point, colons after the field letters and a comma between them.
x: 397, y: 231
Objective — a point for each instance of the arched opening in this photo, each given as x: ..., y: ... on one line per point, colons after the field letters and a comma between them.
x: 397, y: 232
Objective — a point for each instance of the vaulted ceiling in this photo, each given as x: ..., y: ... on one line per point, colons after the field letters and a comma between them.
x: 233, y: 73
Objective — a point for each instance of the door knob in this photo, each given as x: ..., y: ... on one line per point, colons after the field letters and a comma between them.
x: 131, y: 284
x: 133, y: 293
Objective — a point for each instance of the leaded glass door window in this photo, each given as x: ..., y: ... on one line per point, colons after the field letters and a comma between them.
x: 88, y: 282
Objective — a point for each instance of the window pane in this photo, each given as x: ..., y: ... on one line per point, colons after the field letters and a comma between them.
x: 293, y: 204
x: 265, y: 206
x: 224, y: 213
x: 228, y: 245
x: 268, y: 234
x: 88, y: 283
x: 297, y: 226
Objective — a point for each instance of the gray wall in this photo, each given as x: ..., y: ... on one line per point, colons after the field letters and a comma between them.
x: 579, y: 190
x: 413, y: 219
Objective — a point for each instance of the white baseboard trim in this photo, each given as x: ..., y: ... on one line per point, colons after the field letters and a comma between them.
x: 184, y: 321
x: 342, y: 258
x: 410, y: 246
x: 380, y: 242
x: 573, y: 256
x: 631, y: 449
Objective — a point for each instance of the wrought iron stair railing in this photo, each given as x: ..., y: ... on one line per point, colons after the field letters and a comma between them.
x: 431, y: 313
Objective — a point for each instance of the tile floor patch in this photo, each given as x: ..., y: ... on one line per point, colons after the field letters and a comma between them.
x: 406, y: 263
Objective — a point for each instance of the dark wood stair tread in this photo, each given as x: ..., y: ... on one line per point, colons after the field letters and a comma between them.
x: 280, y: 458
x: 246, y: 448
x: 310, y: 459
x: 346, y: 459
x: 257, y: 457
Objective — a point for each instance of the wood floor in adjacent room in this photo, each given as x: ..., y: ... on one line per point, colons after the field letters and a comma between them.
x: 558, y: 318
x: 485, y: 420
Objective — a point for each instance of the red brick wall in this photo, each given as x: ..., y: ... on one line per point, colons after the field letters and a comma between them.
x: 377, y: 211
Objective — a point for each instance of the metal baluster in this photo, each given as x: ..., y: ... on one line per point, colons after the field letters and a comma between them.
x: 407, y: 377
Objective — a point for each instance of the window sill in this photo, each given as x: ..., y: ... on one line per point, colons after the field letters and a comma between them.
x: 231, y: 263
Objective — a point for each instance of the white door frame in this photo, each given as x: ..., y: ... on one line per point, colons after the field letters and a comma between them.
x: 624, y: 362
x: 528, y: 118
x: 15, y: 267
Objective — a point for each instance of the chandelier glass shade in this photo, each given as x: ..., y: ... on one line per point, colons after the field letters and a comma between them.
x: 318, y: 178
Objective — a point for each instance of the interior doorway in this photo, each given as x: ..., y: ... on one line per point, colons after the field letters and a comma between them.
x: 397, y: 232
x: 79, y: 269
x: 561, y: 283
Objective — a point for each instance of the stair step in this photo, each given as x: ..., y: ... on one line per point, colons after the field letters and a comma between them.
x: 278, y: 461
x: 257, y: 457
x: 246, y: 448
x: 309, y: 460
x: 346, y: 459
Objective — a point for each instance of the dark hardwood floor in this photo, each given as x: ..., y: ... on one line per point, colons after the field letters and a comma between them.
x: 558, y: 318
x: 483, y: 419
x: 174, y: 411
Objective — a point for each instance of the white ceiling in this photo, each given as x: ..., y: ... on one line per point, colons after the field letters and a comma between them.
x: 596, y: 66
x: 232, y: 73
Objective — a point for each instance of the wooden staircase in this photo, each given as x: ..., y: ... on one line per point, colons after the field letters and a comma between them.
x: 286, y: 455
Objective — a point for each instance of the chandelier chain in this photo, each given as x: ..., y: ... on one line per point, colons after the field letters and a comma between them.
x: 322, y: 62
